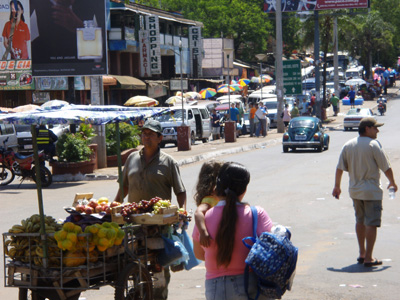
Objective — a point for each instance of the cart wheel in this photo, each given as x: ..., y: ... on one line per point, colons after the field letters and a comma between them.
x: 129, y: 286
x: 26, y: 294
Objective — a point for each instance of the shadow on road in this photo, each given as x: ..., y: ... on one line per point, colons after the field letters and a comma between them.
x: 359, y: 268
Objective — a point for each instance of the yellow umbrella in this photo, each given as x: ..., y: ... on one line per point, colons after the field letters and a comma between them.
x: 134, y: 101
x: 147, y: 103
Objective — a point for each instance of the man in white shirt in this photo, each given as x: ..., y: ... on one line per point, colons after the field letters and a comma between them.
x: 261, y: 114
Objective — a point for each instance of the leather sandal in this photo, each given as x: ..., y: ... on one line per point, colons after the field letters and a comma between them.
x: 376, y: 262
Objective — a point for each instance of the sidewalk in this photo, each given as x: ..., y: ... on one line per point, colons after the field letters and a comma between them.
x: 212, y: 149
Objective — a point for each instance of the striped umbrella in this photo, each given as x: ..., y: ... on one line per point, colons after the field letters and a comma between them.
x: 225, y: 88
x: 237, y: 87
x: 244, y: 81
x: 234, y: 81
x: 207, y: 93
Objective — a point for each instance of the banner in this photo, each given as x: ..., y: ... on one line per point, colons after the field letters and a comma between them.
x: 68, y: 38
x: 52, y: 83
x: 310, y: 5
x: 153, y: 29
x: 144, y: 50
x: 196, y: 50
x: 15, y: 46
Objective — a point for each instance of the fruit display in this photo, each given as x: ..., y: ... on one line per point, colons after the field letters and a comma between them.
x: 93, y: 206
x: 29, y: 249
x: 153, y: 205
x: 105, y: 235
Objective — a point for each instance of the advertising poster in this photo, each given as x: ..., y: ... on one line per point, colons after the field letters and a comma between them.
x: 68, y: 37
x: 196, y: 49
x: 153, y: 30
x: 305, y: 5
x: 15, y: 46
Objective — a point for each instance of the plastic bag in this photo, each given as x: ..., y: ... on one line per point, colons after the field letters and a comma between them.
x: 171, y: 253
x: 185, y: 254
x: 187, y: 242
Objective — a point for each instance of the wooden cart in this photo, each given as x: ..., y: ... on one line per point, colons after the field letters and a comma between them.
x: 130, y: 268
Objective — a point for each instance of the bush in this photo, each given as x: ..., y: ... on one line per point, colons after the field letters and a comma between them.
x: 73, y: 148
x: 129, y: 136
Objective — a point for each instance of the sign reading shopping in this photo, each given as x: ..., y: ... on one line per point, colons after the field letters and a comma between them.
x: 15, y: 54
x: 292, y: 77
x: 309, y: 5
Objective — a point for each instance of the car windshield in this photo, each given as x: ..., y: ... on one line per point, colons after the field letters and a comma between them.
x: 271, y: 105
x: 357, y: 111
x: 23, y: 128
x: 301, y: 124
x: 170, y: 116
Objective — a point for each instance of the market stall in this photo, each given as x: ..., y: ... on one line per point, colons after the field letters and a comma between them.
x: 101, y: 242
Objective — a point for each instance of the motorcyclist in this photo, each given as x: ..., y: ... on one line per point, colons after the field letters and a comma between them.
x: 381, y: 107
x: 46, y: 141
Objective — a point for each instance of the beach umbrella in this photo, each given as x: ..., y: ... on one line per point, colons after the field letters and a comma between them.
x: 237, y: 87
x: 234, y: 82
x: 26, y: 107
x: 54, y: 104
x: 225, y: 88
x: 141, y: 101
x: 244, y: 81
x: 174, y: 100
x: 355, y: 81
x: 207, y: 93
x: 265, y: 78
x: 193, y: 95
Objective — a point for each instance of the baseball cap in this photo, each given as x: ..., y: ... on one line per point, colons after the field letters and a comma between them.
x: 153, y: 125
x: 369, y: 122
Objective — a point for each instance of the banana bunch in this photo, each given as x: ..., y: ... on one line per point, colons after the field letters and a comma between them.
x: 27, y: 248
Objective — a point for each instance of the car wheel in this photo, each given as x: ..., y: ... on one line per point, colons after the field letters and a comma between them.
x: 205, y: 140
x: 192, y: 138
x: 320, y: 148
x: 285, y: 149
x: 346, y: 128
x: 327, y: 144
x: 294, y: 149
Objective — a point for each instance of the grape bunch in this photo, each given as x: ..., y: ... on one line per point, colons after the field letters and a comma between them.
x: 144, y: 206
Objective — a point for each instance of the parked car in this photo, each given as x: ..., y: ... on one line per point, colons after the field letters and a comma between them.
x: 305, y: 132
x: 353, y: 117
x: 24, y: 136
x: 246, y: 122
x: 8, y: 132
x: 196, y: 117
x: 272, y: 107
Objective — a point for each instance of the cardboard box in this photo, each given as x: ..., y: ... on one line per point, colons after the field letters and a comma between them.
x: 81, y: 196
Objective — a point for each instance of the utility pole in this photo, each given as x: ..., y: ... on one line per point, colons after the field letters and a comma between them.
x: 318, y: 102
x: 279, y: 66
x: 336, y: 59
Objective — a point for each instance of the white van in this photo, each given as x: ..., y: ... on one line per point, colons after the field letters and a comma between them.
x: 267, y: 93
x: 197, y: 117
x: 8, y: 134
x: 354, y: 73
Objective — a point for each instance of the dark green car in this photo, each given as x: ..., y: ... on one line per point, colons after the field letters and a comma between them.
x: 305, y: 132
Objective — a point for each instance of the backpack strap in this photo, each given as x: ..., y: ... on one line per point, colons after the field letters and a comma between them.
x: 254, y: 238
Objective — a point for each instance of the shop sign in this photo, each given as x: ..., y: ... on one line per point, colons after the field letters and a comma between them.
x: 175, y: 84
x: 40, y: 97
x: 156, y: 91
x: 52, y: 83
x: 15, y: 62
x: 144, y: 54
x: 196, y: 50
x: 310, y: 5
x: 153, y: 29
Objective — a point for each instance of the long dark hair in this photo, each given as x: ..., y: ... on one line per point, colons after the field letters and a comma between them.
x: 17, y: 8
x: 232, y: 182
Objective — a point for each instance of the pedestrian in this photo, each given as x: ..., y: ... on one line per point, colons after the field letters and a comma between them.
x: 252, y: 116
x: 215, y: 124
x: 150, y: 173
x: 228, y: 223
x: 312, y: 104
x: 304, y: 107
x: 234, y: 113
x: 46, y: 140
x: 363, y: 157
x: 334, y: 101
x: 205, y: 197
x: 239, y: 106
x: 295, y: 111
x: 261, y: 114
x: 286, y: 115
x: 352, y: 97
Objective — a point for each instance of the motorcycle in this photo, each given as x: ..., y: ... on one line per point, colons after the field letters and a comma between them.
x: 14, y: 164
x: 381, y: 109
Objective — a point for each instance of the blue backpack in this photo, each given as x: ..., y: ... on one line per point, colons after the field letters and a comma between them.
x: 273, y: 259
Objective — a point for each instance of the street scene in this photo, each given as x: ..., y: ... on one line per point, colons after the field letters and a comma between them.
x: 153, y: 150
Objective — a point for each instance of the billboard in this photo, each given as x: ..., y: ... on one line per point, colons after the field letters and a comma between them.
x: 15, y: 46
x: 310, y: 5
x: 68, y: 37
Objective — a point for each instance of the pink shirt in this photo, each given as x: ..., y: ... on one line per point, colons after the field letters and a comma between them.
x: 243, y: 229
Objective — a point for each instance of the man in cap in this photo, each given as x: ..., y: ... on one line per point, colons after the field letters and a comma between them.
x: 149, y: 173
x: 363, y: 158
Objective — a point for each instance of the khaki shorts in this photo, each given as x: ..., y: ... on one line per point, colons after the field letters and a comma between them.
x: 368, y: 212
x: 215, y: 130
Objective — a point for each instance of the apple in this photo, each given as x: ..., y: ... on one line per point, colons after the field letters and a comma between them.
x: 114, y: 204
x: 80, y: 208
x: 93, y: 203
x: 98, y: 209
x: 108, y: 210
x: 89, y: 210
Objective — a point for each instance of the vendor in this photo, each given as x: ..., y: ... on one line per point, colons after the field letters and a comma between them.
x: 149, y: 173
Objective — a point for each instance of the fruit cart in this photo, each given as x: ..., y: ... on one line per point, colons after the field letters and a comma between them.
x: 130, y: 266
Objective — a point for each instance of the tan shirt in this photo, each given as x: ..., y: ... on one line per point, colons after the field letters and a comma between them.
x: 363, y: 157
x: 156, y: 178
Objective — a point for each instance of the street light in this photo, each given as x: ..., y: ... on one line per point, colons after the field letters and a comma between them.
x: 228, y: 52
x: 260, y: 58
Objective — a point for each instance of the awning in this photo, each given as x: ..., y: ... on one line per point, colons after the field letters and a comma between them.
x: 109, y: 80
x: 128, y: 82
